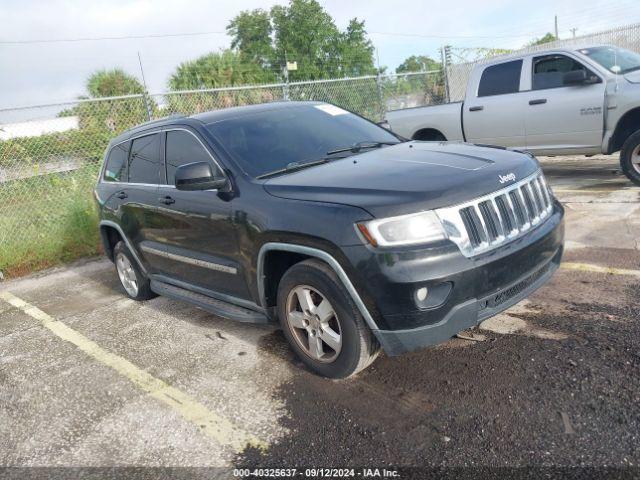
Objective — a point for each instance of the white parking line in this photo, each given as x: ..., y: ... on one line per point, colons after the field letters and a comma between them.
x: 210, y: 423
x: 587, y: 267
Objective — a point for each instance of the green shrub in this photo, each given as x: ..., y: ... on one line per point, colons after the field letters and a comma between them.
x: 50, y: 219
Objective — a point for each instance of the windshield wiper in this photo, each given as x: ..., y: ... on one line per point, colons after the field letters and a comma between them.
x: 293, y: 166
x: 356, y: 147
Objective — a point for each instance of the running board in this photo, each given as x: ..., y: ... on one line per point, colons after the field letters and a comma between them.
x: 212, y: 305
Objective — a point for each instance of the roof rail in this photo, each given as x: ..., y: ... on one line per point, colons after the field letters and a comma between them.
x: 160, y: 120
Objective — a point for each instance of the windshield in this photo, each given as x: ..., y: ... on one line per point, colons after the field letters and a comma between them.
x: 616, y: 60
x: 270, y: 140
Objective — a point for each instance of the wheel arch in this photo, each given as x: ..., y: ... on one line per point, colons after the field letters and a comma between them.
x: 110, y: 231
x: 429, y: 134
x: 294, y: 253
x: 110, y: 237
x: 626, y: 126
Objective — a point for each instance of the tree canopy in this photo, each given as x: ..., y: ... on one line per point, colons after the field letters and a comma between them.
x: 218, y: 69
x: 418, y: 63
x: 547, y: 38
x: 111, y: 83
x: 104, y: 118
x: 302, y: 32
x: 251, y: 35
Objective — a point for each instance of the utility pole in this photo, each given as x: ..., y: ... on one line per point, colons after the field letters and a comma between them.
x: 144, y: 95
x: 573, y: 31
x: 379, y: 85
x: 555, y: 21
x: 286, y: 77
x: 445, y: 55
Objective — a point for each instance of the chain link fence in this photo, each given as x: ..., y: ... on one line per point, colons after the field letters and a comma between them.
x: 626, y: 37
x: 50, y: 154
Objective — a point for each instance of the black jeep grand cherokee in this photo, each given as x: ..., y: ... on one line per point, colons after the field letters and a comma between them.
x: 306, y: 213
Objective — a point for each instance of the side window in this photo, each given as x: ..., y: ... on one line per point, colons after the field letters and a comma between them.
x: 144, y: 161
x: 182, y: 148
x: 500, y: 79
x: 115, y: 168
x: 548, y: 72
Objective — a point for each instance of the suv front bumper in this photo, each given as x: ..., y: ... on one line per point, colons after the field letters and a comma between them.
x: 467, y: 314
x: 480, y: 287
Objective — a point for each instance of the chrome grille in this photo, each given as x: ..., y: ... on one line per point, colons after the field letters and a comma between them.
x: 495, y: 219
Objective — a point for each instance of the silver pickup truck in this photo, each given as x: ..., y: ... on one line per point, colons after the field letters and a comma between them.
x: 564, y: 101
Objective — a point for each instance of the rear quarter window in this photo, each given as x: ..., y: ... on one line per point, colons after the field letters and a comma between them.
x: 116, y: 163
x: 500, y: 79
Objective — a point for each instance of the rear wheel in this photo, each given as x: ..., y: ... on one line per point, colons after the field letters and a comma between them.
x: 135, y: 284
x: 321, y: 323
x: 630, y: 158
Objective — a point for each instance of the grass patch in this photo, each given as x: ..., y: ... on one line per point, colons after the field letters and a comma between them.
x: 47, y: 220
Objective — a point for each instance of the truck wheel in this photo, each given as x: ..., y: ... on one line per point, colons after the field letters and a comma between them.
x: 135, y: 284
x: 630, y: 158
x: 321, y: 322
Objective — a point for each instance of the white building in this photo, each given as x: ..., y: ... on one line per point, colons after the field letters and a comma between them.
x: 35, y: 128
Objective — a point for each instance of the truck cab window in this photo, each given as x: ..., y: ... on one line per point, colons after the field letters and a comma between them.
x: 548, y: 71
x: 116, y: 163
x: 144, y: 161
x: 500, y: 79
x: 183, y: 148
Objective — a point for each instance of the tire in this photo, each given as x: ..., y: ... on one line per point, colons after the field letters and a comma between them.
x: 357, y: 347
x: 630, y: 158
x: 129, y: 272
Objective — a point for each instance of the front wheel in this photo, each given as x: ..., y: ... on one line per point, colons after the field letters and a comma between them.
x: 321, y: 322
x: 630, y: 158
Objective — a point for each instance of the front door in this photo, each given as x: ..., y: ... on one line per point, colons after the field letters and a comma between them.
x: 196, y: 240
x: 560, y: 117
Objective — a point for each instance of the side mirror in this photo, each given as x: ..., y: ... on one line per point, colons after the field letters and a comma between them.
x: 197, y: 176
x: 575, y: 77
x: 579, y: 77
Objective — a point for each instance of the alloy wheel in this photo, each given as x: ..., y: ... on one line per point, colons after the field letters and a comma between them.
x: 127, y: 274
x: 635, y: 159
x: 314, y: 323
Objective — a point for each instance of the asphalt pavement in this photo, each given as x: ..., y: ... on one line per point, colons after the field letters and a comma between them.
x: 89, y: 378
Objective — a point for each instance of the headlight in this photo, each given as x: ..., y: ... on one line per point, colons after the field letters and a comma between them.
x: 423, y: 227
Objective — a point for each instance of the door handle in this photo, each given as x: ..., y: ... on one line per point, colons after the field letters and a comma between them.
x: 477, y: 108
x: 538, y: 101
x: 121, y: 195
x: 167, y: 200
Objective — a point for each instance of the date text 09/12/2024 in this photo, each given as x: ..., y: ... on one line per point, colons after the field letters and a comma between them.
x: 317, y: 473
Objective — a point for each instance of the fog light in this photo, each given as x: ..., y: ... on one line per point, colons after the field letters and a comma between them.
x: 421, y: 294
x: 432, y: 296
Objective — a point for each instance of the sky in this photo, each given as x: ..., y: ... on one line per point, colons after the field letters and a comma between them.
x: 56, y: 71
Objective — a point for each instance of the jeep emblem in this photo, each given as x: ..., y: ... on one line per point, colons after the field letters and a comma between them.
x: 509, y: 177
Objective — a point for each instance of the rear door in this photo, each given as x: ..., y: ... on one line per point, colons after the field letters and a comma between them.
x: 197, y: 241
x: 561, y: 117
x: 494, y: 113
x: 113, y: 182
x: 139, y: 203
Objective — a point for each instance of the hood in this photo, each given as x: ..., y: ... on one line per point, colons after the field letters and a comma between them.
x: 408, y: 177
x: 632, y: 77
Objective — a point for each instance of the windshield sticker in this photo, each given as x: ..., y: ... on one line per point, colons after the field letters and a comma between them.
x: 331, y: 109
